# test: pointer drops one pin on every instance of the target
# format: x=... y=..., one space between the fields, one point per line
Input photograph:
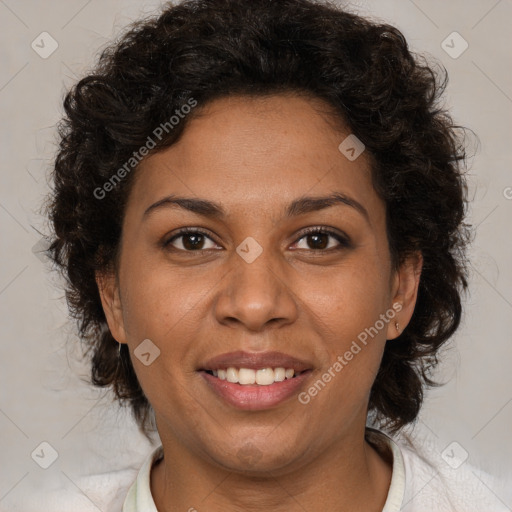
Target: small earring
x=119 y=349
x=397 y=326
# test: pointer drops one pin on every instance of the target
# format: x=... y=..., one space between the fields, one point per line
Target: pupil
x=194 y=241
x=195 y=244
x=316 y=237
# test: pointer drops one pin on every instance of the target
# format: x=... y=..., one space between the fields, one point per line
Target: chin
x=258 y=458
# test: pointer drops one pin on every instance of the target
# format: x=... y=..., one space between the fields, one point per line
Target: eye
x=192 y=239
x=317 y=239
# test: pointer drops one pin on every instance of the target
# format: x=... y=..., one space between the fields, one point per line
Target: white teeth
x=265 y=377
x=279 y=374
x=232 y=375
x=248 y=376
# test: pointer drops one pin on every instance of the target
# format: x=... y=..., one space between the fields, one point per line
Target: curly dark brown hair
x=207 y=49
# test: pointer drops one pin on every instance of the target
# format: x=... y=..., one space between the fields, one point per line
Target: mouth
x=250 y=376
x=255 y=381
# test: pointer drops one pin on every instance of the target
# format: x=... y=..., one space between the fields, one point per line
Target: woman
x=259 y=207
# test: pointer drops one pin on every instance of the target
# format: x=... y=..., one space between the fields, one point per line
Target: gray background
x=44 y=394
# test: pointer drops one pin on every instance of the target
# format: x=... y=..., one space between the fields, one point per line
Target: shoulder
x=63 y=491
x=445 y=480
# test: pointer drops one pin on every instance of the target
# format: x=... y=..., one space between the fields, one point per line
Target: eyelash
x=343 y=241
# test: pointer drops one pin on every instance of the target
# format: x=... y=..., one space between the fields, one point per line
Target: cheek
x=346 y=307
x=166 y=305
x=159 y=300
x=163 y=305
x=348 y=299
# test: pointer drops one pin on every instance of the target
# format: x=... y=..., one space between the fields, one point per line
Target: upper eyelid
x=304 y=232
x=341 y=238
x=188 y=231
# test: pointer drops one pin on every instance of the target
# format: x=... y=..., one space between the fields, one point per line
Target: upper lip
x=255 y=361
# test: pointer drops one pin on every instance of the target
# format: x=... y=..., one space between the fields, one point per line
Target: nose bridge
x=255 y=293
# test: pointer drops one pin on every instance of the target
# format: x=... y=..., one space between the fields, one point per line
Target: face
x=266 y=279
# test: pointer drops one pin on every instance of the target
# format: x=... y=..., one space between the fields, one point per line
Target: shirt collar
x=139 y=498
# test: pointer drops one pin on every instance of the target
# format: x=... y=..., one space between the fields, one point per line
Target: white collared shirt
x=417 y=483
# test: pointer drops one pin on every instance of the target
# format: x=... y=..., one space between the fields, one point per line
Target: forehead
x=252 y=153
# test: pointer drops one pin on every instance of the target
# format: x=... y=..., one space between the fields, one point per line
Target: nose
x=256 y=295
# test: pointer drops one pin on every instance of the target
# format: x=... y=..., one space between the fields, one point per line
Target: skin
x=254 y=156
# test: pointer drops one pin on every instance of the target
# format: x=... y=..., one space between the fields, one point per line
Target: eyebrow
x=300 y=206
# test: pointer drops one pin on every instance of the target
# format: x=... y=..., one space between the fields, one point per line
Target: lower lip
x=254 y=397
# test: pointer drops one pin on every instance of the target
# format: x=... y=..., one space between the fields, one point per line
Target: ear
x=406 y=281
x=108 y=287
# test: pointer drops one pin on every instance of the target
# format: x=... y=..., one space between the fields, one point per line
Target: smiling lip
x=255 y=361
x=255 y=397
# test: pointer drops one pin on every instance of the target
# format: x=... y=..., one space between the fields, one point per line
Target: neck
x=350 y=475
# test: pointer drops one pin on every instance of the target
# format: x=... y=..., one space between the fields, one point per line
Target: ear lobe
x=406 y=286
x=108 y=288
